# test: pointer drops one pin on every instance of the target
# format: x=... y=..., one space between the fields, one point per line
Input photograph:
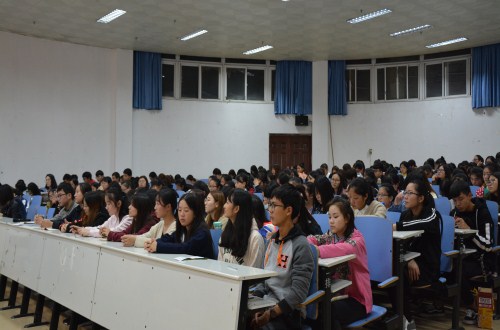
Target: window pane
x=457 y=78
x=413 y=82
x=273 y=83
x=189 y=83
x=351 y=85
x=402 y=83
x=390 y=83
x=210 y=82
x=380 y=84
x=433 y=80
x=235 y=84
x=255 y=85
x=167 y=80
x=363 y=85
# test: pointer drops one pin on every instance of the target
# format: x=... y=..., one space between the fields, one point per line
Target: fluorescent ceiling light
x=444 y=43
x=369 y=16
x=257 y=50
x=412 y=30
x=111 y=16
x=193 y=35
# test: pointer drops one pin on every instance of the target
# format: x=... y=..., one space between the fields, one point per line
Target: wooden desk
x=121 y=287
x=330 y=286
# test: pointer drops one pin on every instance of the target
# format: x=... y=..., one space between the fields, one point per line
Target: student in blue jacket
x=191 y=236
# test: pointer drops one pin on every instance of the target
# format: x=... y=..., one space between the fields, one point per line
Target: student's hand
x=150 y=245
x=38 y=219
x=74 y=229
x=261 y=318
x=394 y=227
x=104 y=231
x=399 y=198
x=128 y=240
x=82 y=231
x=64 y=226
x=461 y=224
x=46 y=223
x=413 y=271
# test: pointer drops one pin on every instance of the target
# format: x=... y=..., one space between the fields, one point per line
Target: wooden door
x=288 y=150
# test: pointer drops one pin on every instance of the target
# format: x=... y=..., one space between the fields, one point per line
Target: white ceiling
x=298 y=29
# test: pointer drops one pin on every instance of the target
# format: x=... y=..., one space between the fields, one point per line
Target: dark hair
x=142 y=202
x=99 y=173
x=181 y=183
x=67 y=188
x=390 y=190
x=478 y=172
x=283 y=178
x=324 y=188
x=269 y=189
x=361 y=187
x=479 y=158
x=201 y=186
x=115 y=175
x=145 y=178
x=116 y=195
x=87 y=175
x=359 y=165
x=217 y=182
x=236 y=235
x=227 y=178
x=95 y=203
x=259 y=212
x=152 y=175
x=412 y=163
x=496 y=195
x=20 y=187
x=107 y=179
x=195 y=203
x=219 y=198
x=168 y=196
x=216 y=171
x=422 y=190
x=347 y=212
x=6 y=194
x=67 y=177
x=289 y=196
x=53 y=183
x=243 y=178
x=33 y=189
x=127 y=171
x=84 y=188
x=458 y=187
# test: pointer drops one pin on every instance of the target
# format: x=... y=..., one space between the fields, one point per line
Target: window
x=200 y=82
x=189 y=82
x=210 y=82
x=167 y=71
x=245 y=84
x=446 y=78
x=397 y=82
x=358 y=85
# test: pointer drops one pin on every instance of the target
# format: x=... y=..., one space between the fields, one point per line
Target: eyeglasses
x=60 y=195
x=272 y=206
x=409 y=193
x=490 y=181
x=440 y=170
x=382 y=195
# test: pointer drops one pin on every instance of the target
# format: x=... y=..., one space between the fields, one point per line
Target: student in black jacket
x=11 y=206
x=472 y=213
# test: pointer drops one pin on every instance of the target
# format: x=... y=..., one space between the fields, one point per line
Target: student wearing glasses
x=492 y=184
x=487 y=172
x=420 y=214
x=387 y=196
x=65 y=195
x=288 y=253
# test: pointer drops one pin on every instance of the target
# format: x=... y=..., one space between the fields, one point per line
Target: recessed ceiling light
x=257 y=50
x=448 y=42
x=412 y=30
x=111 y=16
x=193 y=35
x=369 y=16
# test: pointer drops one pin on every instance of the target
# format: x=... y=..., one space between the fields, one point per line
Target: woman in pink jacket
x=342 y=239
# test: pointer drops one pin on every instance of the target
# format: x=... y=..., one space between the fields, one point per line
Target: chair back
x=216 y=233
x=443 y=205
x=378 y=239
x=42 y=209
x=33 y=207
x=473 y=190
x=50 y=212
x=393 y=217
x=493 y=208
x=447 y=241
x=312 y=309
x=260 y=195
x=436 y=189
x=322 y=220
x=204 y=180
x=180 y=193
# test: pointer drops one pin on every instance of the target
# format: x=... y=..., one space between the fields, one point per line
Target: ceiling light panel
x=369 y=16
x=410 y=31
x=111 y=16
x=193 y=35
x=257 y=50
x=448 y=42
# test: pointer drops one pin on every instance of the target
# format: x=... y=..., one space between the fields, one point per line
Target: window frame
x=445 y=75
x=397 y=65
x=267 y=81
x=364 y=68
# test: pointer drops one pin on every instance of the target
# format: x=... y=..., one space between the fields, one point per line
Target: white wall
x=68 y=108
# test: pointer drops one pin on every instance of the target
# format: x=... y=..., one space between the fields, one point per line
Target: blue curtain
x=293 y=94
x=337 y=99
x=147 y=81
x=486 y=76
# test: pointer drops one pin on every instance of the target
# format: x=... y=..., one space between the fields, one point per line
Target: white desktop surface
x=330 y=262
x=465 y=231
x=406 y=234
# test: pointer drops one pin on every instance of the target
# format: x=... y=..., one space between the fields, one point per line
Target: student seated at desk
x=472 y=213
x=65 y=196
x=214 y=207
x=240 y=242
x=191 y=235
x=140 y=210
x=343 y=239
x=166 y=203
x=361 y=198
x=420 y=214
x=10 y=206
x=94 y=212
x=117 y=207
x=288 y=253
